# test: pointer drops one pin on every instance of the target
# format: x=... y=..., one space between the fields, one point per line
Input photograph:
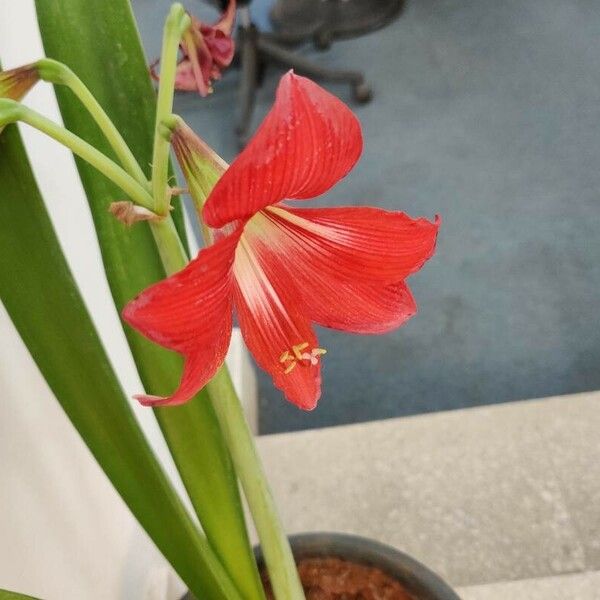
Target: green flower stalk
x=177 y=23
x=15 y=84
x=11 y=112
x=209 y=167
x=202 y=168
x=58 y=73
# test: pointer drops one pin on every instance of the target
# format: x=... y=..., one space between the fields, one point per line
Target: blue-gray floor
x=488 y=113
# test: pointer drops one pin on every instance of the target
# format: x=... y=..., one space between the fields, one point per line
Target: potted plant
x=278 y=267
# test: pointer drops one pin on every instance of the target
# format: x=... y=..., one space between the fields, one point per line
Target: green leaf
x=99 y=41
x=42 y=300
x=6 y=595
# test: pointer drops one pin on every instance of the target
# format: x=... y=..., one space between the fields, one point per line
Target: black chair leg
x=360 y=90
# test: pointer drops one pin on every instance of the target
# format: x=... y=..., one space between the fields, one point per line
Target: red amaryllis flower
x=282 y=268
x=206 y=51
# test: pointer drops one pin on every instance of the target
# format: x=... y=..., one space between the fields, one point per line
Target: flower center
x=300 y=355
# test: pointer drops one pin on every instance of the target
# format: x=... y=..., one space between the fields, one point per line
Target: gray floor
x=485 y=495
x=488 y=113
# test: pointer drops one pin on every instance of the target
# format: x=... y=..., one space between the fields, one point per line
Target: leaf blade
x=32 y=268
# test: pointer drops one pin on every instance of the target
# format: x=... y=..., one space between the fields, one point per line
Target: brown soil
x=336 y=579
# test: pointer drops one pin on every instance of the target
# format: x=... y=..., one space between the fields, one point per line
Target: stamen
x=307 y=358
x=290 y=367
x=298 y=349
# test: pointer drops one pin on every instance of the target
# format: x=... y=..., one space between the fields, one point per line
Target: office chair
x=256 y=49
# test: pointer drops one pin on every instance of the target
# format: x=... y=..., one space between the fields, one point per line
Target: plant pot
x=422 y=583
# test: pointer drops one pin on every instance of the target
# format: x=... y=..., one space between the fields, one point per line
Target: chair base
x=256 y=50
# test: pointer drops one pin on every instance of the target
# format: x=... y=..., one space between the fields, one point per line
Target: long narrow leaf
x=42 y=300
x=99 y=41
x=6 y=595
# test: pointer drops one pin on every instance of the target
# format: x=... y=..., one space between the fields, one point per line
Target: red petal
x=347 y=263
x=358 y=243
x=306 y=144
x=198 y=369
x=359 y=308
x=190 y=312
x=272 y=324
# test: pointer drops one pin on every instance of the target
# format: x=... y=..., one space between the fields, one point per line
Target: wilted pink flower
x=206 y=51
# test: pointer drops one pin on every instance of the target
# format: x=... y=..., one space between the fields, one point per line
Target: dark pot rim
x=415 y=576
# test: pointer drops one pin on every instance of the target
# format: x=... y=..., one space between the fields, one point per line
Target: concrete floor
x=501 y=501
x=485 y=112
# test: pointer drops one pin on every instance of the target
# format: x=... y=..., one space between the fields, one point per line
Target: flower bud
x=206 y=50
x=15 y=83
x=201 y=165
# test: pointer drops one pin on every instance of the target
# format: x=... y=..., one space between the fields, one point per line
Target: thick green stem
x=172 y=253
x=240 y=441
x=58 y=73
x=11 y=112
x=248 y=466
x=201 y=176
x=177 y=23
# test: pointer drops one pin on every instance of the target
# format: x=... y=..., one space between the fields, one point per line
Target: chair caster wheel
x=322 y=40
x=362 y=93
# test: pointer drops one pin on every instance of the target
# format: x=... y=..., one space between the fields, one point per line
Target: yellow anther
x=304 y=358
x=298 y=349
x=290 y=367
